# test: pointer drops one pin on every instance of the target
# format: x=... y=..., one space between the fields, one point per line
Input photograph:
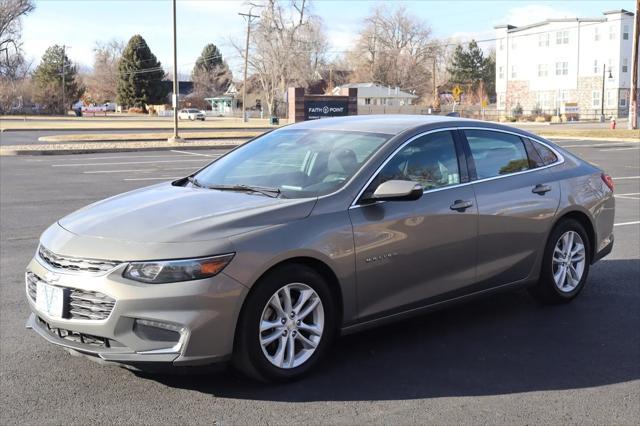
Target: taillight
x=608 y=180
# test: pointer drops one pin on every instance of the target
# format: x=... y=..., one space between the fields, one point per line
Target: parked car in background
x=110 y=106
x=319 y=228
x=191 y=114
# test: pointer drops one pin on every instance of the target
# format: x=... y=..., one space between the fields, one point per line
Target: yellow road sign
x=457 y=91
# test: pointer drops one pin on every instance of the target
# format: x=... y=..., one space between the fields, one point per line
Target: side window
x=547 y=156
x=496 y=153
x=430 y=160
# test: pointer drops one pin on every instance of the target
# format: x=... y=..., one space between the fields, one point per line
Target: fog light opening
x=160 y=331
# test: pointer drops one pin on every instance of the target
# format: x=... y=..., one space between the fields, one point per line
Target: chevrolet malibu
x=313 y=230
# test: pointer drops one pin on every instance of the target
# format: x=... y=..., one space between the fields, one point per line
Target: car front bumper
x=204 y=313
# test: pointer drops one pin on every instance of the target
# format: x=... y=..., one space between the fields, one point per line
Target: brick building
x=558 y=63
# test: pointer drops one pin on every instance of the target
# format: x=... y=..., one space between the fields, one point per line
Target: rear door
x=517 y=202
x=408 y=252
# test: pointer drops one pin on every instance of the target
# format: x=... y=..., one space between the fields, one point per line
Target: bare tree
x=11 y=58
x=394 y=49
x=102 y=82
x=287 y=47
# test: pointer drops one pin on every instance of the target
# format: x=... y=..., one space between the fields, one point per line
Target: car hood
x=166 y=213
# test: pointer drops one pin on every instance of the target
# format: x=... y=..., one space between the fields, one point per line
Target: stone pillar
x=295 y=100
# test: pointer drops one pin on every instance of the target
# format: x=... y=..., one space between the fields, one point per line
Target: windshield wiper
x=269 y=192
x=194 y=181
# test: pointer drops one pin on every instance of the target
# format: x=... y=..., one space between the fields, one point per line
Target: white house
x=374 y=94
x=560 y=62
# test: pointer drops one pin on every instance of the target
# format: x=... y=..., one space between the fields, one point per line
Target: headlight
x=169 y=271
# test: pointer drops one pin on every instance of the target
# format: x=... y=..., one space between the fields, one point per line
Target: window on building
x=501 y=44
x=611 y=98
x=623 y=98
x=514 y=72
x=596 y=34
x=543 y=40
x=542 y=99
x=562 y=68
x=595 y=98
x=596 y=68
x=562 y=37
x=501 y=73
x=543 y=71
x=501 y=101
x=625 y=32
x=612 y=32
x=496 y=154
x=367 y=101
x=625 y=64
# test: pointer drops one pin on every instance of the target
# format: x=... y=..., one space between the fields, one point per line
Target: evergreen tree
x=211 y=75
x=469 y=67
x=48 y=81
x=140 y=76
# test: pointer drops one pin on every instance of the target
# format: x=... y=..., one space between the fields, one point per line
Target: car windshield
x=298 y=163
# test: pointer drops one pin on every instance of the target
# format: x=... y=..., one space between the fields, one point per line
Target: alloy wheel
x=291 y=325
x=568 y=261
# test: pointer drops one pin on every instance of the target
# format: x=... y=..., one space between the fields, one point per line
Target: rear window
x=546 y=154
x=496 y=153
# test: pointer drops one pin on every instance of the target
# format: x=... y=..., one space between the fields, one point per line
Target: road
x=500 y=360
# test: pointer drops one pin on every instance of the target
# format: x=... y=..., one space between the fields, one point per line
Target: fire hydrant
x=613 y=123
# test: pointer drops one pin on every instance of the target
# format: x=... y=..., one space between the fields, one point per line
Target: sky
x=81 y=23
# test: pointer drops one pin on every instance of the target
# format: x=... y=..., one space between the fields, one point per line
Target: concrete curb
x=146 y=129
x=196 y=138
x=69 y=151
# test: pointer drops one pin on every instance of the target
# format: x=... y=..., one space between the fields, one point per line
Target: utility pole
x=249 y=17
x=64 y=53
x=633 y=93
x=174 y=96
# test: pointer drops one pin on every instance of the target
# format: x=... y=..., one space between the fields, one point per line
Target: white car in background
x=190 y=114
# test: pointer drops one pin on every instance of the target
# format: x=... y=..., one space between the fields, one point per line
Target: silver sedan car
x=313 y=230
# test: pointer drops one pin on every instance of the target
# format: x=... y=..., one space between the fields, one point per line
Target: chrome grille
x=75 y=264
x=90 y=305
x=81 y=304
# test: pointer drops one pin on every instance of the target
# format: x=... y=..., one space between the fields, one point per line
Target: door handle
x=541 y=189
x=460 y=205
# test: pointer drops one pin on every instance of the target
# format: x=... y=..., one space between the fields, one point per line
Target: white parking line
x=128 y=162
x=596 y=145
x=196 y=153
x=635 y=148
x=626 y=177
x=156 y=178
x=137 y=170
x=627 y=223
x=623 y=197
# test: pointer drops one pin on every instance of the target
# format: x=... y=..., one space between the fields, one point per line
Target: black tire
x=546 y=291
x=248 y=356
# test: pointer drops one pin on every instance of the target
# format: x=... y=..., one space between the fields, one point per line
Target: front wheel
x=565 y=264
x=286 y=325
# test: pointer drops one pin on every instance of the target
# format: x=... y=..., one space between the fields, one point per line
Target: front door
x=408 y=252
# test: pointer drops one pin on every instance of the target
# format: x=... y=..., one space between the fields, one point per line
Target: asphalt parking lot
x=503 y=360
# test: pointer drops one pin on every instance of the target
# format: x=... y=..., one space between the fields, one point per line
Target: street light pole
x=633 y=93
x=604 y=70
x=174 y=96
x=249 y=17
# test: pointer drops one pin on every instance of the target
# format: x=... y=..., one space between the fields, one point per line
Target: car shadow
x=503 y=344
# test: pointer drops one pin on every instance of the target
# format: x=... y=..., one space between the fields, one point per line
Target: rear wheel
x=565 y=264
x=286 y=325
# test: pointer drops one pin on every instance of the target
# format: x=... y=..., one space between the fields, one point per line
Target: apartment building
x=558 y=65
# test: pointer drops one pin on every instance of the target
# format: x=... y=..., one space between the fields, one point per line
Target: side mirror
x=397 y=190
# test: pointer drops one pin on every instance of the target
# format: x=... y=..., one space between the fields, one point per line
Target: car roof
x=389 y=124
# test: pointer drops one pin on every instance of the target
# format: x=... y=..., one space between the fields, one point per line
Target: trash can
x=274 y=121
